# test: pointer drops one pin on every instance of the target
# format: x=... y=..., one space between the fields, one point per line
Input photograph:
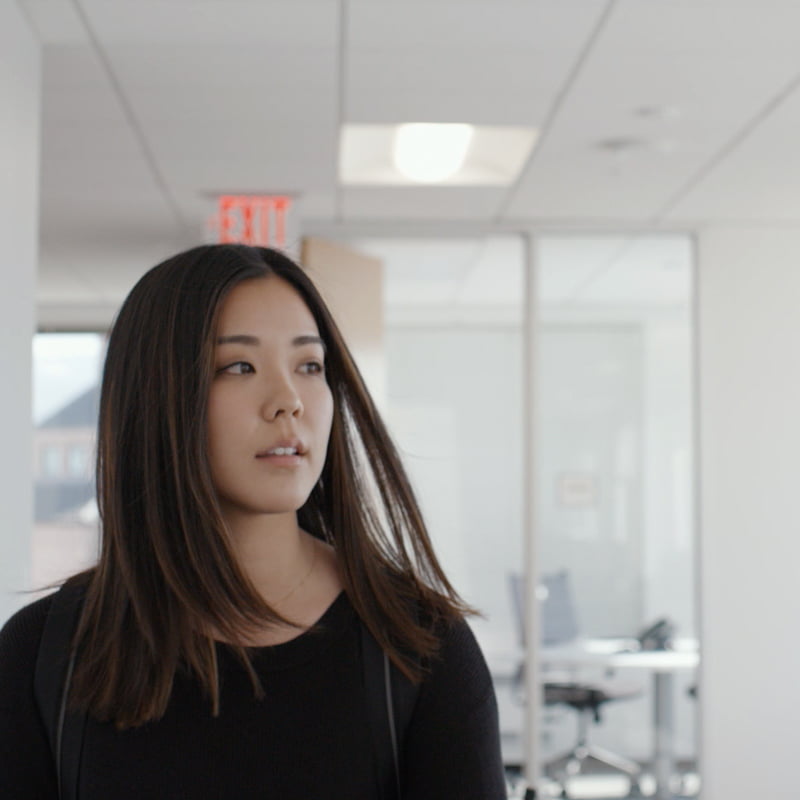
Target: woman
x=257 y=530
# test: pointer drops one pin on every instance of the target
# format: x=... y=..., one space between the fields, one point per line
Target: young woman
x=257 y=529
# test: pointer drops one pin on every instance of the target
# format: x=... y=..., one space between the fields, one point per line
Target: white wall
x=749 y=326
x=20 y=79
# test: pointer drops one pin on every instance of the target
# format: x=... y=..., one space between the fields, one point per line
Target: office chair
x=559 y=625
x=587 y=699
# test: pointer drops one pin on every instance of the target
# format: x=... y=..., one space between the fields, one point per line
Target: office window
x=66 y=369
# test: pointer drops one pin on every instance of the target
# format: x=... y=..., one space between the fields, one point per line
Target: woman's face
x=270 y=407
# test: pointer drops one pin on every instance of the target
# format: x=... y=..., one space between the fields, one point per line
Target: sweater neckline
x=309 y=644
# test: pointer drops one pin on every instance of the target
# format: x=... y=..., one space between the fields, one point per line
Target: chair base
x=581 y=756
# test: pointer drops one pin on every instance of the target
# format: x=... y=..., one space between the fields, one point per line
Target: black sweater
x=306 y=740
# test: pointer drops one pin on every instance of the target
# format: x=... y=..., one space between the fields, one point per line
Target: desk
x=662 y=664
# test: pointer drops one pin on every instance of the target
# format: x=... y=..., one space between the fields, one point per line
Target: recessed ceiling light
x=447 y=154
x=430 y=152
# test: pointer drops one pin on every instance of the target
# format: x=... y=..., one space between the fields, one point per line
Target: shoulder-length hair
x=167 y=580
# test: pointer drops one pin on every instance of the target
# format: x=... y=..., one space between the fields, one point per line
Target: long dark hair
x=167 y=576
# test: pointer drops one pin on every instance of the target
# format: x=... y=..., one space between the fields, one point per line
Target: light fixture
x=470 y=155
x=429 y=152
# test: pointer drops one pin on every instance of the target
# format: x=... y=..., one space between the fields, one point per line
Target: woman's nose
x=282 y=400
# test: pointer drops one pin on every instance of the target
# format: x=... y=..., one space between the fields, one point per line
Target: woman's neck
x=274 y=553
x=293 y=571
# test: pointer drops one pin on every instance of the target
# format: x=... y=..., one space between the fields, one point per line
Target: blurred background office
x=563 y=237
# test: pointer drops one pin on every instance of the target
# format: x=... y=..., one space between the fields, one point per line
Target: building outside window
x=51 y=461
x=65 y=393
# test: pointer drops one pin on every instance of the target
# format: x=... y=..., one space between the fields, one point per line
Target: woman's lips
x=283 y=454
x=276 y=459
x=286 y=447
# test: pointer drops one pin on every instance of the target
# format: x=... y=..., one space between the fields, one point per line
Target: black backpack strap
x=390 y=702
x=404 y=695
x=52 y=678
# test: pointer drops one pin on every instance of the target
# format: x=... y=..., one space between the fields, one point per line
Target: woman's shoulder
x=19 y=648
x=26 y=767
x=458 y=643
x=459 y=668
x=22 y=632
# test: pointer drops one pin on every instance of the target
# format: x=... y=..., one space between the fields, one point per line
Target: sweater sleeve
x=26 y=768
x=452 y=746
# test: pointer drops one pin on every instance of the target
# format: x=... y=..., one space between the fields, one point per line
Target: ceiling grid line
x=556 y=107
x=728 y=148
x=28 y=17
x=130 y=116
x=341 y=106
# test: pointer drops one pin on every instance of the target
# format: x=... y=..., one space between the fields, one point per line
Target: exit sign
x=253 y=219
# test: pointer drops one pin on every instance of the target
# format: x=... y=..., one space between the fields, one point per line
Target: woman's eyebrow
x=249 y=339
x=239 y=338
x=308 y=339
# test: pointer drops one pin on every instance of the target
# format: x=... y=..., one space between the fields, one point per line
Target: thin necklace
x=303 y=580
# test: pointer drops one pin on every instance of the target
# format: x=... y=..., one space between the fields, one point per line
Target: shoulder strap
x=54 y=665
x=390 y=703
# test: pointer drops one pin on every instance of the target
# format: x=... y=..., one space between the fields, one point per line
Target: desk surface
x=598 y=653
x=621 y=653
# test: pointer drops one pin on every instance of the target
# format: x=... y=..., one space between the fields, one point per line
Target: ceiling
x=652 y=114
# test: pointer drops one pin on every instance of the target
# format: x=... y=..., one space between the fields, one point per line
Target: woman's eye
x=237 y=368
x=312 y=368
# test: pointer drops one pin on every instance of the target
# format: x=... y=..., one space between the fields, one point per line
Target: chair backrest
x=558 y=619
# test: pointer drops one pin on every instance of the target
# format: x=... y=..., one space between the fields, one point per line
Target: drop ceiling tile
x=499 y=25
x=55 y=21
x=271 y=169
x=74 y=65
x=226 y=68
x=304 y=22
x=194 y=108
x=679 y=28
x=606 y=156
x=454 y=62
x=475 y=86
x=748 y=184
x=425 y=203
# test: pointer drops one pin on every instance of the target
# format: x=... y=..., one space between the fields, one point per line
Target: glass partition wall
x=454 y=313
x=613 y=508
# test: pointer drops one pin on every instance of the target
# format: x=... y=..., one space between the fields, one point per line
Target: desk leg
x=664 y=726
